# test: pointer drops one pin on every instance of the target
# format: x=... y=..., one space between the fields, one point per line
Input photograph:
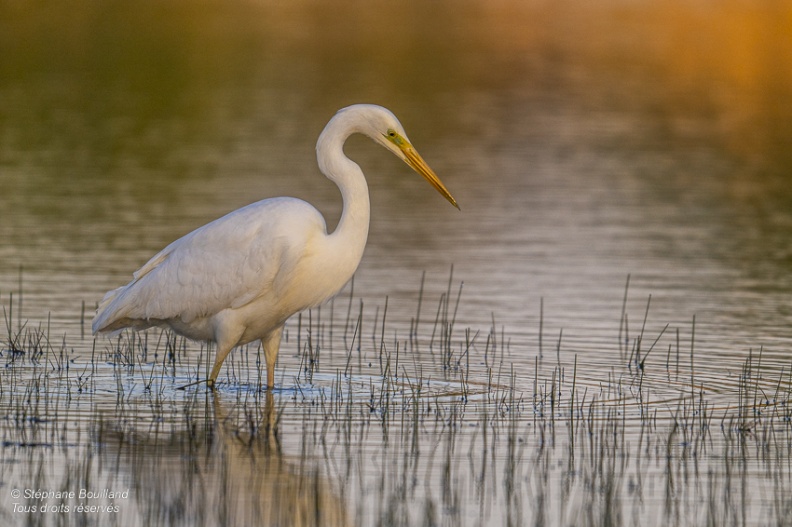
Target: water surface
x=584 y=144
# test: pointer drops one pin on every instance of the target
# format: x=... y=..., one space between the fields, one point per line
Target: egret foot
x=209 y=382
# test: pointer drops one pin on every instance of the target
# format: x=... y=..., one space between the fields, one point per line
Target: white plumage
x=240 y=277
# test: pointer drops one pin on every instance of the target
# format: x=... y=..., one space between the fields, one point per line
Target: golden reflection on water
x=164 y=92
x=188 y=60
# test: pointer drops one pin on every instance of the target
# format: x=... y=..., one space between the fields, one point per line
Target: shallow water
x=588 y=147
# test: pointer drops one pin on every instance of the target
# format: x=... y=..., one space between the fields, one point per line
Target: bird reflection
x=223 y=468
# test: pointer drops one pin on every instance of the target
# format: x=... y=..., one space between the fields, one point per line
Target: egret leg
x=271 y=345
x=222 y=353
x=227 y=335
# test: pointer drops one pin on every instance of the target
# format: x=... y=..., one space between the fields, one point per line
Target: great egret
x=240 y=277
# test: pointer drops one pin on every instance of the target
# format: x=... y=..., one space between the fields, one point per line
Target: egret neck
x=352 y=230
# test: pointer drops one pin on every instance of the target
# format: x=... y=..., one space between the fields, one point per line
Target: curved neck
x=352 y=229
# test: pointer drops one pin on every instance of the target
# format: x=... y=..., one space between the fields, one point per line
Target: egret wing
x=224 y=264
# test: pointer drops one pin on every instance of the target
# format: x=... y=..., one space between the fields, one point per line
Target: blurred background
x=584 y=142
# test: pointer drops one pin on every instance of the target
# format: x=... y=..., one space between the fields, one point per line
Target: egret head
x=384 y=128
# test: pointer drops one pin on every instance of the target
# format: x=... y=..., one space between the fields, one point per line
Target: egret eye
x=394 y=137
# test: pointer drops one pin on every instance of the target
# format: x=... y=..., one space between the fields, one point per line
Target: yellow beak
x=412 y=158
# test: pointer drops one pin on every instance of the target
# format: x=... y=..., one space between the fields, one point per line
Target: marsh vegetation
x=375 y=424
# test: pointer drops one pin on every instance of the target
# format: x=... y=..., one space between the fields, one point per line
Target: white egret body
x=240 y=277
